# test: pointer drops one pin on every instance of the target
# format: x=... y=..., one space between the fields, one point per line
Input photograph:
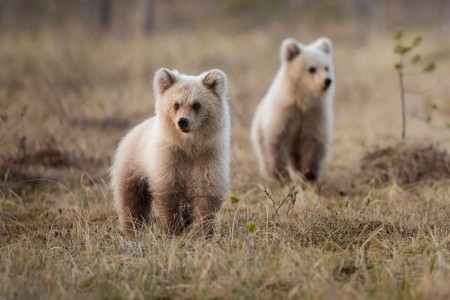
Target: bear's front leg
x=170 y=210
x=205 y=211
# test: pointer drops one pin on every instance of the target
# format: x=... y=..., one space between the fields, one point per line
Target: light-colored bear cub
x=176 y=164
x=292 y=126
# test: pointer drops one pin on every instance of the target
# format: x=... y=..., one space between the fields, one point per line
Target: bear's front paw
x=310 y=175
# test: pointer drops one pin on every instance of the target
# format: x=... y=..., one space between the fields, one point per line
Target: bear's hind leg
x=258 y=146
x=277 y=161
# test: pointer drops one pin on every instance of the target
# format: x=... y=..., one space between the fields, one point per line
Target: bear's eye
x=312 y=70
x=196 y=106
x=326 y=69
x=176 y=106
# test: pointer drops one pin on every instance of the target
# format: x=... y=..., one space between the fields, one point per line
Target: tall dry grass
x=69 y=96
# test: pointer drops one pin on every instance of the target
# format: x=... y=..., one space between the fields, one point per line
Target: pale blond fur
x=292 y=126
x=177 y=172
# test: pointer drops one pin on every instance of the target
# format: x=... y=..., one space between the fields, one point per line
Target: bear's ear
x=289 y=49
x=164 y=79
x=216 y=81
x=324 y=44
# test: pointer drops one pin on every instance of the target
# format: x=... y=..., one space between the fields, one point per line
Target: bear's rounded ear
x=164 y=79
x=324 y=44
x=216 y=81
x=289 y=49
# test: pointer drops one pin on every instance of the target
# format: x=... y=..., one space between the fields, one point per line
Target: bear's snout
x=328 y=82
x=183 y=123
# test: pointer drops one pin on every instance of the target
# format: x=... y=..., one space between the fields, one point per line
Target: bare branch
x=266 y=191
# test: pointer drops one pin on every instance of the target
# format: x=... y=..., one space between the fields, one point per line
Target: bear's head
x=308 y=67
x=191 y=107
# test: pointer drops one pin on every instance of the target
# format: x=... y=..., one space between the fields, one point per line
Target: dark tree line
x=146 y=14
x=93 y=13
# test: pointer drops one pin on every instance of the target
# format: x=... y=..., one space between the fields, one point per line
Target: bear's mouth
x=185 y=130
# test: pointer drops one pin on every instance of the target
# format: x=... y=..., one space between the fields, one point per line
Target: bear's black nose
x=183 y=123
x=328 y=82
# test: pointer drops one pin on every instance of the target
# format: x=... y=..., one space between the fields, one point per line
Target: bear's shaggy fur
x=292 y=126
x=176 y=164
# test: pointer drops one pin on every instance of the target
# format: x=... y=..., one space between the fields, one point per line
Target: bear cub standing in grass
x=176 y=164
x=292 y=126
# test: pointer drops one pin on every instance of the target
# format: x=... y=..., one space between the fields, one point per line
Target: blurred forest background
x=156 y=15
x=75 y=69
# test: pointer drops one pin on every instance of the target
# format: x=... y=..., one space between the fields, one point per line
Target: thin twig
x=402 y=98
x=319 y=195
x=271 y=199
x=292 y=195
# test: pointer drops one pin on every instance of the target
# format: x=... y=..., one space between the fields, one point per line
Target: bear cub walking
x=292 y=126
x=175 y=165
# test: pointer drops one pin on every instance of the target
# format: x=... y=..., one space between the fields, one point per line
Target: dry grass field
x=376 y=226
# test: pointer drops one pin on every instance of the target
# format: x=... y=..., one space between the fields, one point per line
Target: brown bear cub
x=292 y=126
x=175 y=165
